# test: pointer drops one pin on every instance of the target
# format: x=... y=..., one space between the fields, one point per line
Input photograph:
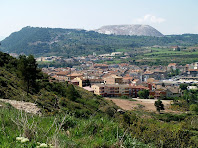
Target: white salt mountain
x=139 y=30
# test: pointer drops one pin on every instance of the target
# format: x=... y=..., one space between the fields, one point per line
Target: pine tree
x=27 y=70
x=72 y=94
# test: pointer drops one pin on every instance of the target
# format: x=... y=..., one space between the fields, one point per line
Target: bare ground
x=147 y=103
x=21 y=105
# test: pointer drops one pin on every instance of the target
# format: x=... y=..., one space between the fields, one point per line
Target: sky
x=167 y=16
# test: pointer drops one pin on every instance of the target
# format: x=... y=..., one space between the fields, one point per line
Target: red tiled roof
x=75 y=74
x=193 y=70
x=100 y=65
x=63 y=73
x=172 y=64
x=127 y=78
x=148 y=72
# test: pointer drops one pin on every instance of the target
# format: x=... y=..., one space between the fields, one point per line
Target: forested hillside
x=73 y=42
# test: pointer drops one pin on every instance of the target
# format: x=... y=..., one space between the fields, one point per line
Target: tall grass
x=63 y=130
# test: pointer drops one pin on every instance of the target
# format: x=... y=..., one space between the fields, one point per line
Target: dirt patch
x=26 y=106
x=144 y=104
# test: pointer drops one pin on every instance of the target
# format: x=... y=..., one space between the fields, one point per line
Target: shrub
x=194 y=108
x=159 y=105
x=151 y=97
x=143 y=94
x=129 y=118
x=110 y=111
x=124 y=97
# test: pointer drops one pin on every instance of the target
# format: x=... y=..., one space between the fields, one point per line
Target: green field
x=166 y=56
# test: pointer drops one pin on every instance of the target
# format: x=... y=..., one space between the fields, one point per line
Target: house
x=158 y=93
x=175 y=48
x=101 y=66
x=75 y=82
x=136 y=82
x=62 y=74
x=59 y=79
x=159 y=74
x=136 y=89
x=89 y=89
x=192 y=88
x=173 y=91
x=172 y=66
x=127 y=80
x=96 y=81
x=82 y=81
x=192 y=72
x=186 y=67
x=74 y=75
x=113 y=79
x=146 y=75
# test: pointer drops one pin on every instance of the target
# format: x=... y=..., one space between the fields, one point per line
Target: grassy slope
x=96 y=131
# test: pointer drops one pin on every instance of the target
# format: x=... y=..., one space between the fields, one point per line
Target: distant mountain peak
x=138 y=29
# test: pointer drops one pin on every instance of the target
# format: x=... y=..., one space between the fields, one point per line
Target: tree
x=159 y=105
x=183 y=86
x=27 y=70
x=163 y=84
x=143 y=94
x=72 y=94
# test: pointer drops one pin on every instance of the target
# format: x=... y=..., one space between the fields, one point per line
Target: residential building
x=115 y=90
x=101 y=66
x=113 y=79
x=172 y=66
x=74 y=75
x=82 y=81
x=192 y=72
x=192 y=88
x=175 y=48
x=158 y=93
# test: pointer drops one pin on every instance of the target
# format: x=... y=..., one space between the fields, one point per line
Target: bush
x=110 y=111
x=159 y=105
x=129 y=118
x=124 y=97
x=151 y=97
x=143 y=94
x=194 y=108
x=171 y=117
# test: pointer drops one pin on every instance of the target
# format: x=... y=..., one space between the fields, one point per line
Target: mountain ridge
x=74 y=42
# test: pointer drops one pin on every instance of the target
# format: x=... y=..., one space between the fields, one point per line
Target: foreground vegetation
x=61 y=130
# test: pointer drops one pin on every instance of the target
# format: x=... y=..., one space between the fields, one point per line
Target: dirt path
x=26 y=106
x=147 y=103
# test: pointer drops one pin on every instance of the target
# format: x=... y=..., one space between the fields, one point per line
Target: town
x=124 y=79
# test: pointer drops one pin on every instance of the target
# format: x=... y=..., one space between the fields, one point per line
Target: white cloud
x=149 y=19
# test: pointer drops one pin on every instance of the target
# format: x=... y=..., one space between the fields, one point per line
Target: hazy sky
x=168 y=16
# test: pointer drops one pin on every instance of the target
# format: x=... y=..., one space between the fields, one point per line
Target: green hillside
x=46 y=94
x=73 y=42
